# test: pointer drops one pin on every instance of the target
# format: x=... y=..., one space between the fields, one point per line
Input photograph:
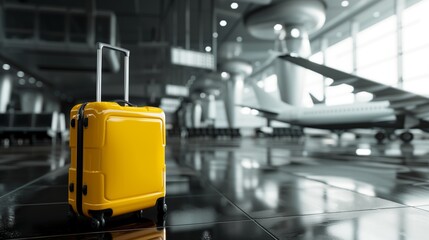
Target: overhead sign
x=191 y=58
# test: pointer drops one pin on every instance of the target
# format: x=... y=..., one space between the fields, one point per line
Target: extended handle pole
x=100 y=47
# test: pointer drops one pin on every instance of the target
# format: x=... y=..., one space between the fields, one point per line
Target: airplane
x=391 y=108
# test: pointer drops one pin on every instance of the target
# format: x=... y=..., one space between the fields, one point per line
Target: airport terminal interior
x=281 y=119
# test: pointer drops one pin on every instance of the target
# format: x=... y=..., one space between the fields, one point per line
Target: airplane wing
x=401 y=101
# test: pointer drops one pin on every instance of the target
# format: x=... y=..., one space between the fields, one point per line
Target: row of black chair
x=28 y=127
x=293 y=132
x=205 y=132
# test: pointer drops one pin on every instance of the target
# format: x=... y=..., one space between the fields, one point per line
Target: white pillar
x=31 y=102
x=5 y=92
x=290 y=77
x=196 y=114
x=233 y=96
x=211 y=109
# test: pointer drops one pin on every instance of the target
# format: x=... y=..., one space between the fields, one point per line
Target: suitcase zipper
x=79 y=158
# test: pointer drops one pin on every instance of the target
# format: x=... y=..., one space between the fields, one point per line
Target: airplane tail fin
x=268 y=102
x=315 y=100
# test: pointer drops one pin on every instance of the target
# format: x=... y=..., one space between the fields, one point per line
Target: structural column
x=197 y=111
x=238 y=71
x=288 y=23
x=5 y=92
x=290 y=78
x=31 y=101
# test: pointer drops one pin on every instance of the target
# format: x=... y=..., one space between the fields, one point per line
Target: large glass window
x=374 y=33
x=340 y=55
x=314 y=81
x=416 y=47
x=376 y=44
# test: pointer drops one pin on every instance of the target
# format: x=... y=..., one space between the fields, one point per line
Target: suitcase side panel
x=133 y=157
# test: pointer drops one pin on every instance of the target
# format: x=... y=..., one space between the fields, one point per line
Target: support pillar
x=290 y=77
x=5 y=92
x=31 y=101
x=238 y=71
x=196 y=114
x=288 y=23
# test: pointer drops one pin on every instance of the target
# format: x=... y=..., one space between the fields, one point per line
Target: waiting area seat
x=32 y=126
x=293 y=132
x=206 y=132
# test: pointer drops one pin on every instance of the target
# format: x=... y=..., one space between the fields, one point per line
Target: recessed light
x=215 y=35
x=223 y=23
x=202 y=95
x=345 y=3
x=239 y=39
x=376 y=14
x=208 y=49
x=234 y=5
x=20 y=74
x=224 y=75
x=6 y=66
x=295 y=32
x=21 y=81
x=39 y=84
x=278 y=27
x=31 y=80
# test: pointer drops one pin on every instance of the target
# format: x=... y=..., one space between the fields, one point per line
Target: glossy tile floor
x=239 y=189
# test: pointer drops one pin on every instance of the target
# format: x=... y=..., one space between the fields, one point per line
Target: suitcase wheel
x=98 y=221
x=72 y=216
x=161 y=206
x=139 y=214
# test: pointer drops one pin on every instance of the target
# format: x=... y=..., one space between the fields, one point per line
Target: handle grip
x=126 y=52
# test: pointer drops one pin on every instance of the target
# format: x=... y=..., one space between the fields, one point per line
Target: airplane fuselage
x=350 y=114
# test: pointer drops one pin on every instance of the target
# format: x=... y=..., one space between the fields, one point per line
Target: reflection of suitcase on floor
x=117 y=155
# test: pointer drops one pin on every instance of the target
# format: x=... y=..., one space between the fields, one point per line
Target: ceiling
x=54 y=41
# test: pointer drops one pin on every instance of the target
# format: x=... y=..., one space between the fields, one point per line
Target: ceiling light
x=21 y=81
x=208 y=49
x=224 y=75
x=31 y=80
x=345 y=3
x=202 y=95
x=376 y=14
x=234 y=5
x=215 y=35
x=20 y=74
x=295 y=32
x=6 y=66
x=39 y=84
x=239 y=39
x=278 y=27
x=222 y=23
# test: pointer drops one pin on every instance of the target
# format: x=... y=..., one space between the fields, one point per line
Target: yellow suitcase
x=117 y=156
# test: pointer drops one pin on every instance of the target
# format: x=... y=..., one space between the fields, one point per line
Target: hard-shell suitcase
x=117 y=155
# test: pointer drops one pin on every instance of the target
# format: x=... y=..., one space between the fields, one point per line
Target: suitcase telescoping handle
x=126 y=52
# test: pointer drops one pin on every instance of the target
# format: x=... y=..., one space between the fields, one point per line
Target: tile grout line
x=33 y=181
x=337 y=212
x=245 y=213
